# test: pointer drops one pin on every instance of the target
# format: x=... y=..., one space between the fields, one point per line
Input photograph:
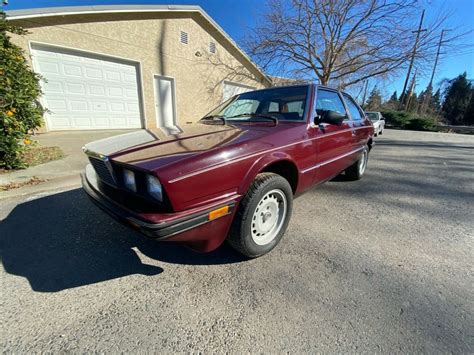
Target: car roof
x=300 y=85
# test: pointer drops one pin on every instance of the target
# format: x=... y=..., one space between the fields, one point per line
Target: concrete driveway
x=379 y=265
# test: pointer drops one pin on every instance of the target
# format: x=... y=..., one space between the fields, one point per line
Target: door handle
x=353 y=132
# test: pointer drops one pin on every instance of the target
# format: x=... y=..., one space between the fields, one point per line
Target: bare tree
x=340 y=41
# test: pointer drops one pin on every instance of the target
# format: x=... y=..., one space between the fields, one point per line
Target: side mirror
x=331 y=117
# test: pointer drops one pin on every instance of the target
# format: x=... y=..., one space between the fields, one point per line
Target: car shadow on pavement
x=63 y=241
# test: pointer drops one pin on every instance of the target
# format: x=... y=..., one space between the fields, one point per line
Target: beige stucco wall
x=153 y=41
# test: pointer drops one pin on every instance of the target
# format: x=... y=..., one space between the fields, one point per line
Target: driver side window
x=329 y=101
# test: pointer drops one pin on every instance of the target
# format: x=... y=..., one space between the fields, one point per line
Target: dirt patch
x=38 y=155
x=15 y=185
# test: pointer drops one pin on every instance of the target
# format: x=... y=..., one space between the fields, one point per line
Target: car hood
x=151 y=149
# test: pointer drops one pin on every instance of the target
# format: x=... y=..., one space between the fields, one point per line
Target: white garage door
x=231 y=89
x=86 y=92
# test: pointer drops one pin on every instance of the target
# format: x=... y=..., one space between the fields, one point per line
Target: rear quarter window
x=355 y=111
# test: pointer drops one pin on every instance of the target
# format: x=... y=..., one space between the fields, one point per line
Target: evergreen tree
x=421 y=99
x=435 y=103
x=468 y=118
x=375 y=100
x=392 y=103
x=394 y=97
x=425 y=100
x=456 y=100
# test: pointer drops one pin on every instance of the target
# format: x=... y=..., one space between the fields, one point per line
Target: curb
x=61 y=183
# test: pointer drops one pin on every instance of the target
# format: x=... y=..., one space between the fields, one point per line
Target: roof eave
x=14 y=15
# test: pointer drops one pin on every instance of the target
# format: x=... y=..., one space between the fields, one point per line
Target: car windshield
x=372 y=116
x=282 y=104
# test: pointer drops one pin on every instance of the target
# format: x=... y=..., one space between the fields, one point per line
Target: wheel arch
x=278 y=163
x=370 y=143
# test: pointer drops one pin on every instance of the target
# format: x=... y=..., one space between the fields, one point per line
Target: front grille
x=100 y=167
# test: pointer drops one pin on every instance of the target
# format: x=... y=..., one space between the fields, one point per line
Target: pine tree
x=375 y=100
x=394 y=97
x=468 y=118
x=456 y=100
x=392 y=103
x=435 y=103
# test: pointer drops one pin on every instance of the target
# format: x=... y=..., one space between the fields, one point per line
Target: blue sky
x=236 y=17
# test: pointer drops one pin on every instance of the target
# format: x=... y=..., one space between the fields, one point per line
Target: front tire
x=263 y=216
x=357 y=170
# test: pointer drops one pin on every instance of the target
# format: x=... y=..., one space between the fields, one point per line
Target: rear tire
x=357 y=170
x=263 y=216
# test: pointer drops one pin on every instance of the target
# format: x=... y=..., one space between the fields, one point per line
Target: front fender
x=259 y=165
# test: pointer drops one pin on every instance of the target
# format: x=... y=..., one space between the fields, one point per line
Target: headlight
x=129 y=180
x=154 y=187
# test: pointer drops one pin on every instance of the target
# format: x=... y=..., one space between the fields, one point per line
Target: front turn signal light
x=218 y=213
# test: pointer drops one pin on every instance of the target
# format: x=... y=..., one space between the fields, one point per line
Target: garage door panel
x=84 y=92
x=54 y=87
x=56 y=105
x=81 y=122
x=112 y=75
x=72 y=70
x=230 y=89
x=47 y=67
x=115 y=91
x=60 y=122
x=75 y=88
x=97 y=90
x=78 y=106
x=93 y=73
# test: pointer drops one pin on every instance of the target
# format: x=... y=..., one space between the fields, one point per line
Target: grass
x=37 y=155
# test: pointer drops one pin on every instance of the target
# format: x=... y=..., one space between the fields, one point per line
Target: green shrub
x=20 y=111
x=397 y=119
x=421 y=124
x=408 y=120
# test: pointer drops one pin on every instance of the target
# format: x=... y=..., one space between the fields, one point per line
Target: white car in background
x=378 y=121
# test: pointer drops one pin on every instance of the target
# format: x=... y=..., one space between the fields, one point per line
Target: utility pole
x=427 y=97
x=365 y=93
x=411 y=90
x=413 y=54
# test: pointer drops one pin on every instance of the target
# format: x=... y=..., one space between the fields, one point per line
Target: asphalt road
x=380 y=265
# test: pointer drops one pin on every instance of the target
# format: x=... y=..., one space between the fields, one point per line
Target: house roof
x=111 y=9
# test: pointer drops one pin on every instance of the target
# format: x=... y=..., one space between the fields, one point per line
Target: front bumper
x=169 y=227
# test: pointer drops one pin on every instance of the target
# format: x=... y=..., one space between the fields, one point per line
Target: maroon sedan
x=235 y=173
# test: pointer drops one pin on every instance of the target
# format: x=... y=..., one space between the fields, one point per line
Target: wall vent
x=184 y=37
x=212 y=47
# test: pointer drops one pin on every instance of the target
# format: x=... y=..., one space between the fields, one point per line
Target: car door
x=333 y=142
x=359 y=130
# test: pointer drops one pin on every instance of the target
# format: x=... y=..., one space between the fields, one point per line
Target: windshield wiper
x=213 y=118
x=258 y=115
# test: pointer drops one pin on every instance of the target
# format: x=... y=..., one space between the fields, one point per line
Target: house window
x=212 y=47
x=184 y=37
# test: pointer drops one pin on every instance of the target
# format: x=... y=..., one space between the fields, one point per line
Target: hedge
x=407 y=120
x=20 y=111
